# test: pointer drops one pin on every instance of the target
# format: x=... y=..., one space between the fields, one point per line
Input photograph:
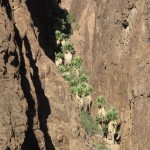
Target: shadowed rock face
x=113 y=40
x=35 y=103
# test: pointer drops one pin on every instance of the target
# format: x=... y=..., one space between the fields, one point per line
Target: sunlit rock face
x=113 y=40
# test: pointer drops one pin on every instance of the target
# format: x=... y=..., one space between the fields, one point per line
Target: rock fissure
x=6 y=4
x=43 y=107
x=30 y=138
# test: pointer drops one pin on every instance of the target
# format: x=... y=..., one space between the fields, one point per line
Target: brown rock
x=114 y=45
x=35 y=103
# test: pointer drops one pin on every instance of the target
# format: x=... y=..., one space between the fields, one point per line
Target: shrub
x=63 y=24
x=99 y=119
x=83 y=89
x=73 y=82
x=88 y=90
x=60 y=24
x=101 y=101
x=68 y=47
x=61 y=68
x=74 y=90
x=59 y=55
x=88 y=123
x=76 y=62
x=83 y=78
x=64 y=72
x=70 y=18
x=59 y=35
x=67 y=76
x=111 y=115
x=102 y=147
x=75 y=26
x=80 y=89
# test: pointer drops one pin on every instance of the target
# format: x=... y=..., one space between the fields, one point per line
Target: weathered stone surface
x=113 y=40
x=35 y=104
x=13 y=120
x=36 y=107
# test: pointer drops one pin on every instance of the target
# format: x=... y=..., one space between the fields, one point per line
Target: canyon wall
x=37 y=110
x=35 y=101
x=36 y=107
x=114 y=42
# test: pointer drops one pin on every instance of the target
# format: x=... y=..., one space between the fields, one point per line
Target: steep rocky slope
x=113 y=40
x=36 y=103
x=37 y=111
x=36 y=107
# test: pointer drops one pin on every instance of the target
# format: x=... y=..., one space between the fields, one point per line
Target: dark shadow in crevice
x=125 y=24
x=15 y=61
x=47 y=16
x=8 y=148
x=117 y=135
x=5 y=3
x=43 y=103
x=30 y=141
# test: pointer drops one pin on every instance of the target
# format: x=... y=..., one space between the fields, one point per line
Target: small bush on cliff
x=62 y=69
x=68 y=47
x=88 y=90
x=83 y=78
x=81 y=89
x=59 y=35
x=101 y=101
x=111 y=115
x=70 y=19
x=88 y=123
x=102 y=147
x=59 y=55
x=76 y=63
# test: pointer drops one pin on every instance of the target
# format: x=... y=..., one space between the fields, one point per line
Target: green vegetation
x=79 y=83
x=63 y=24
x=75 y=27
x=61 y=69
x=59 y=55
x=83 y=78
x=70 y=19
x=101 y=101
x=88 y=123
x=84 y=89
x=79 y=88
x=68 y=47
x=106 y=116
x=102 y=147
x=111 y=115
x=76 y=63
x=76 y=77
x=59 y=35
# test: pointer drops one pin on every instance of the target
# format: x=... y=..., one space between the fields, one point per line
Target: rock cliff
x=36 y=103
x=37 y=111
x=113 y=40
